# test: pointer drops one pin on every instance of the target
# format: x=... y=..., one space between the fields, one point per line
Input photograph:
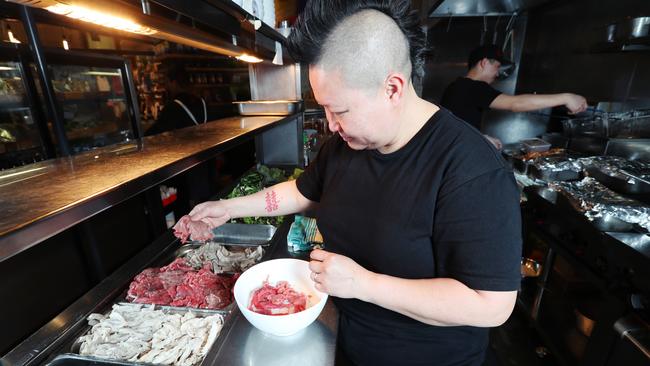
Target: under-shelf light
x=91 y=16
x=249 y=58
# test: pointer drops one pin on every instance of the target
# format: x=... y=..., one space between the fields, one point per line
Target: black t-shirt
x=467 y=99
x=445 y=205
x=173 y=116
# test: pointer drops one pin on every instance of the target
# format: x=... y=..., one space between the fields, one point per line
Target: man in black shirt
x=419 y=260
x=183 y=109
x=469 y=96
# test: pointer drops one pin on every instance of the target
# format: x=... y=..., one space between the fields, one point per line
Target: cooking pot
x=610 y=31
x=634 y=28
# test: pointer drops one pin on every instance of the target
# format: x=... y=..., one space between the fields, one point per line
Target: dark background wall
x=559 y=52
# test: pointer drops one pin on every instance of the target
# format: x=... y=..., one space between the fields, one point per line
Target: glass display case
x=21 y=140
x=93 y=92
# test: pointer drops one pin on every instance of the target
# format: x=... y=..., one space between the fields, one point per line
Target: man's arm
x=530 y=102
x=280 y=199
x=437 y=301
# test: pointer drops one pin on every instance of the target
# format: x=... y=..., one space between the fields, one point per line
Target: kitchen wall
x=560 y=52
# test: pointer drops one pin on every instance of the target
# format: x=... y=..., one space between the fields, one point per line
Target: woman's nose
x=333 y=125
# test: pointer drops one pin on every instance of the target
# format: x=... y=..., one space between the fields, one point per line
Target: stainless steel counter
x=315 y=345
x=242 y=343
x=46 y=198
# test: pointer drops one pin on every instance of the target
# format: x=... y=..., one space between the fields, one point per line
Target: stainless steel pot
x=611 y=32
x=634 y=28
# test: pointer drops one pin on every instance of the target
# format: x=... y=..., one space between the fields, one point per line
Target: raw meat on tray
x=179 y=284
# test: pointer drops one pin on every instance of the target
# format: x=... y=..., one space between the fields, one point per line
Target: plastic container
x=535 y=145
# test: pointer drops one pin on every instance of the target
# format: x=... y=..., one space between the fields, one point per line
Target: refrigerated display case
x=21 y=133
x=96 y=99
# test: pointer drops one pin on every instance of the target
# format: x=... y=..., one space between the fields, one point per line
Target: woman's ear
x=395 y=86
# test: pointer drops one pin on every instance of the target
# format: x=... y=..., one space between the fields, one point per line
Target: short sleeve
x=310 y=183
x=485 y=94
x=477 y=232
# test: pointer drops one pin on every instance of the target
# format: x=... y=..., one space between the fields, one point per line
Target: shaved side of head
x=365 y=48
x=365 y=40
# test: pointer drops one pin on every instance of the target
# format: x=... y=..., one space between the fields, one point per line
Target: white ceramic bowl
x=297 y=273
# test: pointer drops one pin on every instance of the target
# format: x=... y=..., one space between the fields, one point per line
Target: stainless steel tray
x=244 y=234
x=76 y=359
x=122 y=299
x=185 y=249
x=626 y=185
x=268 y=107
x=70 y=359
x=546 y=193
x=553 y=176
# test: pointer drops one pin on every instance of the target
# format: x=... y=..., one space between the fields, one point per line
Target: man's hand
x=575 y=103
x=494 y=141
x=337 y=275
x=213 y=213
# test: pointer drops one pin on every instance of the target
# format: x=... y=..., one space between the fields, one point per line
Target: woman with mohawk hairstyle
x=419 y=213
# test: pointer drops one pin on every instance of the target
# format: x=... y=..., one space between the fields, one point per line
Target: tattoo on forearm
x=271 y=201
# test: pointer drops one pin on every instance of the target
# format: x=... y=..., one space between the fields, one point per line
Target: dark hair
x=320 y=17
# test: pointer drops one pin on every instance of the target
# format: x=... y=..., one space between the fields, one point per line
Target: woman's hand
x=213 y=213
x=338 y=275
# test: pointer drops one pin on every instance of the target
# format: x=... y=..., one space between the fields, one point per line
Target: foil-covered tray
x=619 y=174
x=521 y=161
x=77 y=359
x=606 y=209
x=555 y=168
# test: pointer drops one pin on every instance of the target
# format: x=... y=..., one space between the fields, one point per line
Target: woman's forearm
x=439 y=301
x=280 y=199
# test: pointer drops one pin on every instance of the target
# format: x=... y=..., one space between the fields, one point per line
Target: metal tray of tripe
x=228 y=321
x=186 y=249
x=244 y=234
